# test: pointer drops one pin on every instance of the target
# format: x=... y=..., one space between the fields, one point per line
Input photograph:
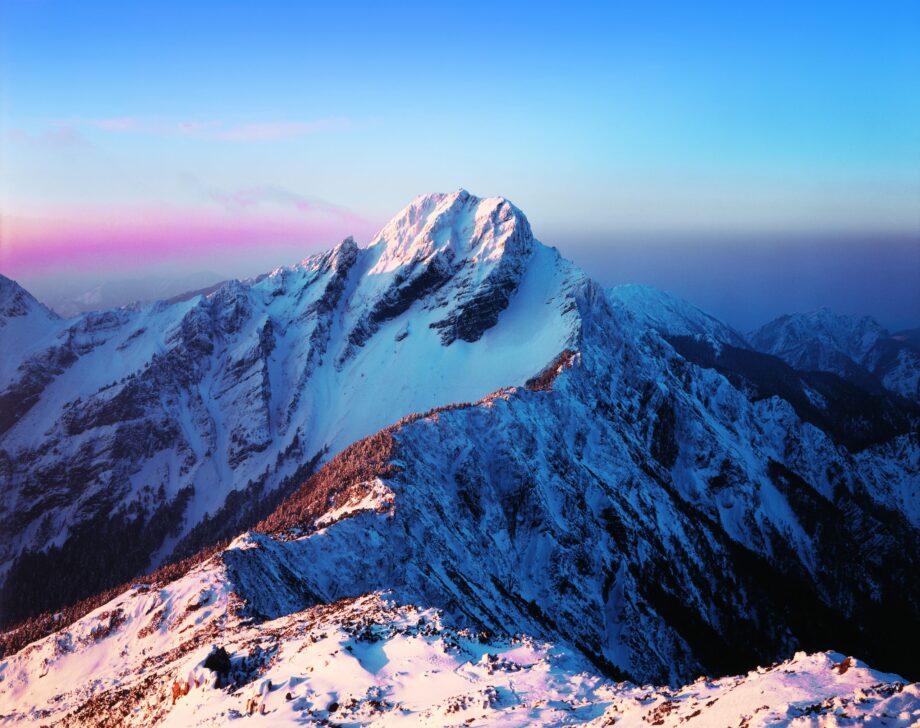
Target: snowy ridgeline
x=141 y=660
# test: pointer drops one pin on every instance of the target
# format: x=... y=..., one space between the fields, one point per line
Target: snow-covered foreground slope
x=133 y=434
x=637 y=507
x=370 y=660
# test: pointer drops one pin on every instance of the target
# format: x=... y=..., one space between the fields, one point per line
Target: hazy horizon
x=744 y=281
x=753 y=159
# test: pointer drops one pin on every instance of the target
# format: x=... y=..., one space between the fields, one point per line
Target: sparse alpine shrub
x=218 y=661
x=544 y=380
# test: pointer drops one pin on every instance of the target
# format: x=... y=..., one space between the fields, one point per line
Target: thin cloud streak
x=255 y=131
x=123 y=123
x=263 y=131
x=253 y=197
x=57 y=137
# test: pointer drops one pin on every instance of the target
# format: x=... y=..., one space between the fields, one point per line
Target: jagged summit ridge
x=468 y=226
x=480 y=247
x=16 y=301
x=791 y=336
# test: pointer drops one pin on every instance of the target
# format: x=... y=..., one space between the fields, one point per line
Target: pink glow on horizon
x=127 y=240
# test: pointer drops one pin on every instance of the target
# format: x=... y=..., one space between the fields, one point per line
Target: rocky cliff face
x=635 y=514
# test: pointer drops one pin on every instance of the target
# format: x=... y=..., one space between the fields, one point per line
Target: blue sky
x=278 y=127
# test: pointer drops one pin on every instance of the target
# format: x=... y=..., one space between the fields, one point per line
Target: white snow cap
x=469 y=226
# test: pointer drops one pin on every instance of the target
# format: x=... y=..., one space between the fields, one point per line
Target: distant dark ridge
x=188 y=295
x=851 y=415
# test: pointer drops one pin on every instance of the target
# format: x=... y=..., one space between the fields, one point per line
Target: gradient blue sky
x=645 y=140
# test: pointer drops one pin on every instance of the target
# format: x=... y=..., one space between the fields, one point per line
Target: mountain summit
x=457 y=224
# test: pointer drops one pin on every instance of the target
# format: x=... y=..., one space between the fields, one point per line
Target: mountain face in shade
x=17 y=303
x=607 y=505
x=857 y=348
x=437 y=444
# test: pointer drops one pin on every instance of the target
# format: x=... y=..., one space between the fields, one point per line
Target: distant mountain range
x=858 y=349
x=453 y=419
x=72 y=298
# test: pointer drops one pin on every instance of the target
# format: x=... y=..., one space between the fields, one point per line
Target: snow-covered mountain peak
x=16 y=301
x=244 y=387
x=857 y=348
x=861 y=331
x=457 y=224
x=342 y=255
x=853 y=336
x=642 y=509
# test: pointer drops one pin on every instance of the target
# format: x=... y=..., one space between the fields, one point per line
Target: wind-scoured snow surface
x=374 y=661
x=598 y=502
